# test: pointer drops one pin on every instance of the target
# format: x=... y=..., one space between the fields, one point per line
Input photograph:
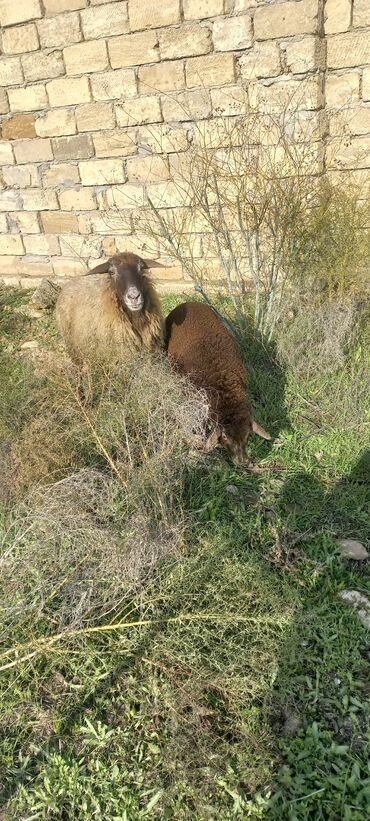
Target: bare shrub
x=318 y=338
x=333 y=248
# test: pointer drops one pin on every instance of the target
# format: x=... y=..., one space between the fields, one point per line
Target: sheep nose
x=133 y=294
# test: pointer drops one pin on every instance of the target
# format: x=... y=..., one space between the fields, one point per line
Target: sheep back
x=96 y=328
x=201 y=347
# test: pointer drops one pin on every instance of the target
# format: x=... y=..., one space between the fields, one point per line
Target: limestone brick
x=244 y=5
x=291 y=94
x=101 y=172
x=21 y=176
x=60 y=174
x=3 y=224
x=232 y=33
x=116 y=143
x=77 y=147
x=77 y=199
x=22 y=125
x=105 y=22
x=133 y=49
x=56 y=123
x=352 y=154
x=10 y=71
x=286 y=19
x=354 y=120
x=19 y=39
x=104 y=222
x=12 y=12
x=305 y=55
x=140 y=110
x=200 y=9
x=57 y=222
x=125 y=196
x=147 y=169
x=41 y=244
x=63 y=267
x=11 y=244
x=261 y=61
x=24 y=222
x=337 y=15
x=211 y=70
x=34 y=199
x=85 y=57
x=37 y=150
x=230 y=101
x=188 y=105
x=6 y=153
x=184 y=41
x=365 y=85
x=94 y=116
x=33 y=267
x=42 y=66
x=162 y=77
x=53 y=7
x=113 y=85
x=32 y=98
x=80 y=246
x=10 y=266
x=215 y=133
x=341 y=89
x=348 y=50
x=361 y=13
x=168 y=194
x=68 y=91
x=144 y=15
x=59 y=31
x=163 y=138
x=4 y=105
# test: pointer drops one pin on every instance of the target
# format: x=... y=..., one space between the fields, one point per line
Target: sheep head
x=128 y=278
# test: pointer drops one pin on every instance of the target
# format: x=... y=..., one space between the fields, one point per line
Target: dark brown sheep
x=200 y=347
x=112 y=309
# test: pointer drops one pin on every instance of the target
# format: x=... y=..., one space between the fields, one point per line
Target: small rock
x=318 y=455
x=359 y=603
x=45 y=295
x=33 y=313
x=292 y=725
x=30 y=346
x=232 y=489
x=351 y=549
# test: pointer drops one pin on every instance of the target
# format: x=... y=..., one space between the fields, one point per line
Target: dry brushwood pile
x=82 y=539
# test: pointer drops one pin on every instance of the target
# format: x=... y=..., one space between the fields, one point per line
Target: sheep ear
x=100 y=269
x=153 y=263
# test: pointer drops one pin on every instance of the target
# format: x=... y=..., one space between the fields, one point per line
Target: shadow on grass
x=214 y=699
x=319 y=703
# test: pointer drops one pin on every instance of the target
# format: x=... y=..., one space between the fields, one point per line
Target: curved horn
x=103 y=268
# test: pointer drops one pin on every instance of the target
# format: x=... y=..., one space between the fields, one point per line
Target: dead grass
x=98 y=491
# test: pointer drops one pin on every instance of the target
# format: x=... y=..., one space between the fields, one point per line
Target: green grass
x=188 y=720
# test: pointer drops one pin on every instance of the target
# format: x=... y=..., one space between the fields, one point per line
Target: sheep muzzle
x=133 y=299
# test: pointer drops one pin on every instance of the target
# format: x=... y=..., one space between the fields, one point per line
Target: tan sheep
x=111 y=310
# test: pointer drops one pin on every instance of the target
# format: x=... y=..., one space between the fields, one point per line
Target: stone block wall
x=99 y=101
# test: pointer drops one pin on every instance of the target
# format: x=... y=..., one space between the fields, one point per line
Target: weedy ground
x=243 y=690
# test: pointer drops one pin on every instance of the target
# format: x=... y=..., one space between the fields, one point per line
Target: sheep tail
x=256 y=428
